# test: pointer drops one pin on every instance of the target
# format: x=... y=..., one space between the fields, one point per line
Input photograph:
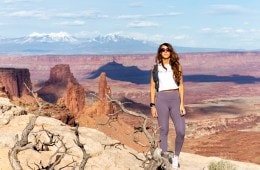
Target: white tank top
x=166 y=80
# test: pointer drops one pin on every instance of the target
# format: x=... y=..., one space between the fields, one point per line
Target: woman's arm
x=181 y=92
x=152 y=95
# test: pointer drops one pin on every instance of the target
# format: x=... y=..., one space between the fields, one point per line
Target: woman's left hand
x=182 y=110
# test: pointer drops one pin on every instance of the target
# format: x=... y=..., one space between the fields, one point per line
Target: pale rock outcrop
x=103 y=157
x=8 y=111
x=94 y=142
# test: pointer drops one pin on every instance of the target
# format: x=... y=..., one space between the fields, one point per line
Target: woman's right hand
x=154 y=112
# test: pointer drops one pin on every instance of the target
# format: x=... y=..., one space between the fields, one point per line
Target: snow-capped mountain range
x=64 y=43
x=52 y=37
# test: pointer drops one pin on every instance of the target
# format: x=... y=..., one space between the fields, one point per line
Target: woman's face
x=165 y=52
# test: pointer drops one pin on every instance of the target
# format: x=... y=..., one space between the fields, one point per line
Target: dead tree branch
x=150 y=137
x=155 y=157
x=35 y=97
x=81 y=146
x=21 y=144
x=24 y=144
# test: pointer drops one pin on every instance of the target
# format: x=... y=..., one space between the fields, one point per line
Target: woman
x=167 y=101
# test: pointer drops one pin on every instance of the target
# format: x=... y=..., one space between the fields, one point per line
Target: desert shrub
x=221 y=165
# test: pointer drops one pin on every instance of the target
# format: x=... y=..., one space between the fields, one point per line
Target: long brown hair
x=174 y=61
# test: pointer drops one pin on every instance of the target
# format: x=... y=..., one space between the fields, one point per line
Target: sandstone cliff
x=12 y=82
x=62 y=88
x=55 y=87
x=74 y=98
x=104 y=91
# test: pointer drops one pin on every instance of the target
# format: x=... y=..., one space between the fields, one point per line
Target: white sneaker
x=175 y=162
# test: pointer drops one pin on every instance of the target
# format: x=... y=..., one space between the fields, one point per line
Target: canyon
x=221 y=96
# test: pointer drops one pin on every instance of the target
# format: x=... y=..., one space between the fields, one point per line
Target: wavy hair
x=174 y=61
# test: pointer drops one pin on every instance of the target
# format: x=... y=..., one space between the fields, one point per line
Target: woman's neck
x=166 y=61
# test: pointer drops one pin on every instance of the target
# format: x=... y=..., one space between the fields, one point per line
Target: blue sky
x=194 y=23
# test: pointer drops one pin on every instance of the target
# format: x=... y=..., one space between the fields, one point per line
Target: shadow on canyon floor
x=134 y=106
x=133 y=74
x=117 y=71
x=213 y=110
x=239 y=79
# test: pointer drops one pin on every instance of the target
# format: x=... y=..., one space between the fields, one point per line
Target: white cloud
x=87 y=34
x=138 y=16
x=143 y=36
x=224 y=30
x=239 y=30
x=85 y=14
x=233 y=37
x=130 y=16
x=230 y=9
x=16 y=1
x=142 y=24
x=73 y=23
x=253 y=30
x=50 y=14
x=180 y=37
x=52 y=34
x=136 y=4
x=35 y=14
x=230 y=30
x=207 y=29
x=165 y=15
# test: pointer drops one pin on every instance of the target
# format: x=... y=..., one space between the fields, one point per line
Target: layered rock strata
x=104 y=93
x=63 y=89
x=13 y=80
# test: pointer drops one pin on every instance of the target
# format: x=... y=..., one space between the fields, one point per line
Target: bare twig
x=114 y=145
x=24 y=144
x=35 y=97
x=81 y=146
x=154 y=158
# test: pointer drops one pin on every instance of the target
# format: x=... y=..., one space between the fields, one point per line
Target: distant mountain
x=63 y=43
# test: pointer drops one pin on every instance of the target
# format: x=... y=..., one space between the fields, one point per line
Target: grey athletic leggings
x=168 y=105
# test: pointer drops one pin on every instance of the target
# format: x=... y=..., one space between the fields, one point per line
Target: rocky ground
x=221 y=97
x=106 y=153
x=222 y=118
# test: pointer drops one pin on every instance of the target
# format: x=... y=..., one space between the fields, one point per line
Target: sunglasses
x=165 y=50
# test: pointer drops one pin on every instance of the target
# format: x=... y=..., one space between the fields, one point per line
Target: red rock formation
x=104 y=105
x=56 y=86
x=74 y=98
x=12 y=81
x=3 y=91
x=60 y=74
x=63 y=87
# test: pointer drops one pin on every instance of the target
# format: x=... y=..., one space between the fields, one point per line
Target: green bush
x=221 y=165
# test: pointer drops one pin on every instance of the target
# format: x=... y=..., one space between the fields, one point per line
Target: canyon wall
x=13 y=80
x=62 y=88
